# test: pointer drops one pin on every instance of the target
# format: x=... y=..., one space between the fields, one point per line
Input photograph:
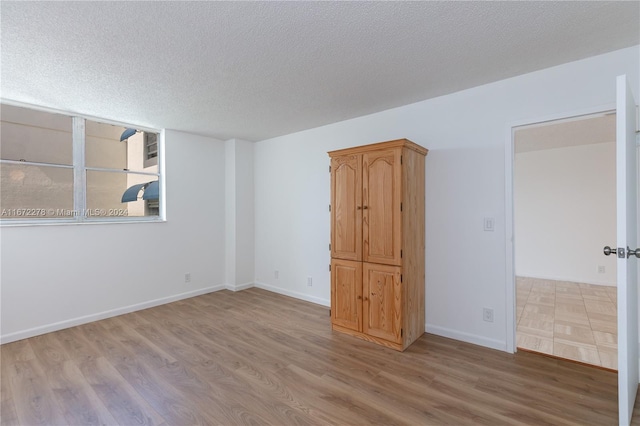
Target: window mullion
x=79 y=172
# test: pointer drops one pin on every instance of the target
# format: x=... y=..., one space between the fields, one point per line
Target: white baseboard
x=466 y=337
x=36 y=331
x=569 y=279
x=239 y=287
x=295 y=294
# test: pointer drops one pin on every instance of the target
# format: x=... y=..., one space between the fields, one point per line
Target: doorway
x=563 y=187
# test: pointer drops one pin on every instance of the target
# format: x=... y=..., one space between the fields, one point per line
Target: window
x=150 y=149
x=55 y=167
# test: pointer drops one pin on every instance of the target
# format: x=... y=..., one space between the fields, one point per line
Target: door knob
x=631 y=252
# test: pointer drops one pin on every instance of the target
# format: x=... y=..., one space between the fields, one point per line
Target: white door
x=627 y=226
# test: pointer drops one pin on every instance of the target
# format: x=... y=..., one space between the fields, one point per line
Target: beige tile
x=609 y=340
x=536 y=327
x=535 y=316
x=604 y=322
x=521 y=301
x=604 y=326
x=547 y=292
x=535 y=343
x=567 y=319
x=591 y=292
x=569 y=300
x=609 y=318
x=561 y=285
x=539 y=309
x=600 y=307
x=573 y=333
x=541 y=299
x=608 y=357
x=577 y=352
x=571 y=308
x=575 y=318
x=569 y=294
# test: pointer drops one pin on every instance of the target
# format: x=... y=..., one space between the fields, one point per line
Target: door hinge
x=400 y=277
x=400 y=254
x=329 y=312
x=329 y=266
x=329 y=169
x=400 y=206
x=329 y=247
x=401 y=159
x=329 y=207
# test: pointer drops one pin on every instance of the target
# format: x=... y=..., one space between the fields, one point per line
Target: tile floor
x=569 y=320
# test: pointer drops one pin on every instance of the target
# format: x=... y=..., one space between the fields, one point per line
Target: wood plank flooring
x=256 y=357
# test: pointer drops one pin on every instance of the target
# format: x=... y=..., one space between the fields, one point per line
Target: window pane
x=105 y=191
x=33 y=192
x=150 y=149
x=35 y=136
x=103 y=148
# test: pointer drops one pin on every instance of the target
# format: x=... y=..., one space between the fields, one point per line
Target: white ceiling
x=586 y=130
x=255 y=70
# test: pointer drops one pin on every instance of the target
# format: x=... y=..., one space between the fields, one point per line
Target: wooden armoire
x=377 y=242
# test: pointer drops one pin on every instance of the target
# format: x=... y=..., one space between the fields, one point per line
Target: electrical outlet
x=309 y=281
x=276 y=274
x=487 y=314
x=601 y=269
x=489 y=224
x=187 y=277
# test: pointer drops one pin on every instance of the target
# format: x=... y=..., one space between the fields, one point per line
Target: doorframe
x=510 y=286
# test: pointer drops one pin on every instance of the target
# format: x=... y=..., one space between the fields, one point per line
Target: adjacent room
x=311 y=212
x=565 y=286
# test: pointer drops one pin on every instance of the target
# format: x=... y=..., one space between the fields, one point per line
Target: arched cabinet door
x=346 y=207
x=381 y=198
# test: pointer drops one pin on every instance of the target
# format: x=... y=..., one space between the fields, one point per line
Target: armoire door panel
x=346 y=294
x=381 y=197
x=346 y=207
x=382 y=302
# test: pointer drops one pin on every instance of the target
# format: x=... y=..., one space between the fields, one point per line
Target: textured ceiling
x=254 y=70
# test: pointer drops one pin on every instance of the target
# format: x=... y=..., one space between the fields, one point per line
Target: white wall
x=465 y=181
x=54 y=276
x=239 y=209
x=564 y=202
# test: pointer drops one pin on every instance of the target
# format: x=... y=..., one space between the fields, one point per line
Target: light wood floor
x=570 y=320
x=255 y=357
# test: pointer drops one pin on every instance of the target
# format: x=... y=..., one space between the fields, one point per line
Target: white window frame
x=80 y=169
